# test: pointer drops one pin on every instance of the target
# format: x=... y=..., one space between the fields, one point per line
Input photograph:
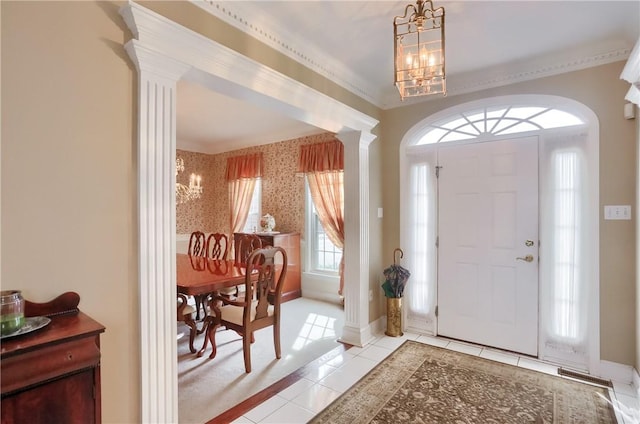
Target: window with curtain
x=242 y=174
x=323 y=166
x=323 y=254
x=255 y=211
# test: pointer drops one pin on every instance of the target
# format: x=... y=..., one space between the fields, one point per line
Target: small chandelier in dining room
x=419 y=50
x=185 y=193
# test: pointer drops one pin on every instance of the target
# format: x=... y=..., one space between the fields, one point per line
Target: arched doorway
x=564 y=136
x=164 y=52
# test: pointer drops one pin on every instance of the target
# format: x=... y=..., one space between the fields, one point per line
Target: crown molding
x=228 y=72
x=221 y=146
x=239 y=15
x=514 y=73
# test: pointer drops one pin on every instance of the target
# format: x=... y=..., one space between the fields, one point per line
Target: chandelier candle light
x=193 y=191
x=419 y=50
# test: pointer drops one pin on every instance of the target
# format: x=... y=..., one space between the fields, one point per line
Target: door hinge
x=437 y=241
x=436 y=310
x=438 y=167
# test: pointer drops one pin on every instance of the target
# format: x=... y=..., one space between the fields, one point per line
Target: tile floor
x=308 y=396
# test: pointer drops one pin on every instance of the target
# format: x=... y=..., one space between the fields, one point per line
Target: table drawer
x=30 y=368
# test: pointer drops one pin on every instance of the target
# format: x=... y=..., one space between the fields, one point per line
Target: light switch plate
x=617 y=212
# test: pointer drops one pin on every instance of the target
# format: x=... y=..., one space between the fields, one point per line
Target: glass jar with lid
x=11 y=311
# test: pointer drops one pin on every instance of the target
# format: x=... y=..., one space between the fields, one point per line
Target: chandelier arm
x=186 y=193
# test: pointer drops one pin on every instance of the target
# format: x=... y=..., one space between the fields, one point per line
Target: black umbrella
x=396 y=278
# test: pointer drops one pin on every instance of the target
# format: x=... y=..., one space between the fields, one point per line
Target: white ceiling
x=488 y=44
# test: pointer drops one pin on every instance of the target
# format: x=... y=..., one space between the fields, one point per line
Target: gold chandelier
x=185 y=193
x=419 y=50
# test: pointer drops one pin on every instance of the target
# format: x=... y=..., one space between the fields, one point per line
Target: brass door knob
x=528 y=258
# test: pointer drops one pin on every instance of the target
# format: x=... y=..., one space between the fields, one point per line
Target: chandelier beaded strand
x=419 y=50
x=185 y=193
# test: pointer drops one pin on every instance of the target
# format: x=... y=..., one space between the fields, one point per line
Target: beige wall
x=601 y=90
x=68 y=175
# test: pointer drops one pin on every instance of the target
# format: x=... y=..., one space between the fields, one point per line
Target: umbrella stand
x=396 y=278
x=394 y=317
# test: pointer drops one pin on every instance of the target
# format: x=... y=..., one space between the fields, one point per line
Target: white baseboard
x=379 y=326
x=620 y=373
x=320 y=287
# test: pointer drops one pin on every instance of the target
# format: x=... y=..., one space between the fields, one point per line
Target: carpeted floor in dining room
x=208 y=387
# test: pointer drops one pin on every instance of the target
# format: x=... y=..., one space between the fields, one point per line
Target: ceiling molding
x=514 y=73
x=221 y=146
x=224 y=70
x=242 y=17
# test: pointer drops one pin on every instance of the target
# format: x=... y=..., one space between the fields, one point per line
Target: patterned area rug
x=420 y=383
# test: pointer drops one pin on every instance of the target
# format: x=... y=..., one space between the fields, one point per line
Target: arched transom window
x=497 y=121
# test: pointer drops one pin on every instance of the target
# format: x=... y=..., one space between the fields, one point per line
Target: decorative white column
x=163 y=52
x=631 y=74
x=356 y=329
x=157 y=79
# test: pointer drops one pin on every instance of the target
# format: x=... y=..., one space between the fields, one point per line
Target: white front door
x=488 y=243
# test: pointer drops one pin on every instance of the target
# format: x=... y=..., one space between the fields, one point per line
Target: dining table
x=199 y=275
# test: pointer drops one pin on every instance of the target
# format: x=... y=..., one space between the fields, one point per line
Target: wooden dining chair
x=244 y=246
x=260 y=308
x=185 y=314
x=197 y=244
x=217 y=246
x=198 y=247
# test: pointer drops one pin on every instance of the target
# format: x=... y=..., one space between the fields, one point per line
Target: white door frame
x=164 y=52
x=592 y=153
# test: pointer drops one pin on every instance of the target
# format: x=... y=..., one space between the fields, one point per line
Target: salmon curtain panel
x=323 y=165
x=242 y=174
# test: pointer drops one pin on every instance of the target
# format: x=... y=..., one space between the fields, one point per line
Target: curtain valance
x=321 y=157
x=245 y=166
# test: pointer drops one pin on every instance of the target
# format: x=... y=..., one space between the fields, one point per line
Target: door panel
x=488 y=209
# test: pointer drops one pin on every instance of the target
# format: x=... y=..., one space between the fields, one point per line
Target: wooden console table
x=52 y=375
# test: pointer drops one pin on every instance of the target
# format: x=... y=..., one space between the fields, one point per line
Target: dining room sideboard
x=290 y=242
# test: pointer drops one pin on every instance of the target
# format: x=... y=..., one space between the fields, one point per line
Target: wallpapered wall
x=282 y=189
